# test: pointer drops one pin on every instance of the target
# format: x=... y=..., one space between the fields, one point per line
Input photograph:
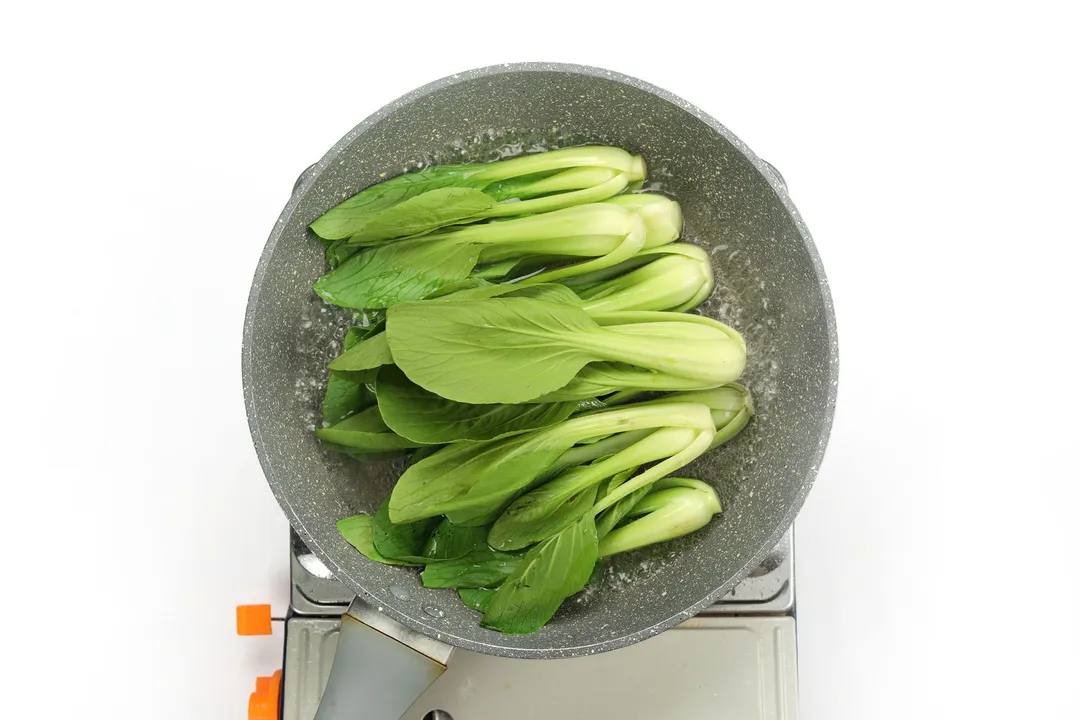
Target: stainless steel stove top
x=739 y=664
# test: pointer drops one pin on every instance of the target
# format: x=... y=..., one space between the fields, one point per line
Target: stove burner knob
x=264 y=702
x=253 y=620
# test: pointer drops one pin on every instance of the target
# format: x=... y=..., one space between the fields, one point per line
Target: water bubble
x=399 y=592
x=434 y=611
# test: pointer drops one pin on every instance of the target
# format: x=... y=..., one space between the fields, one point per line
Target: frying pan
x=770 y=286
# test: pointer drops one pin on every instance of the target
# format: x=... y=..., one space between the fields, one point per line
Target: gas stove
x=737 y=660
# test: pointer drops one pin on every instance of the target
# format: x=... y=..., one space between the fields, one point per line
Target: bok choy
x=413 y=269
x=440 y=195
x=532 y=351
x=533 y=347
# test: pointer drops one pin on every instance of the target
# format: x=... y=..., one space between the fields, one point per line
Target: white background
x=931 y=147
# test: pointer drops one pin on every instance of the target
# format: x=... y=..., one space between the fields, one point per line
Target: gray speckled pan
x=771 y=287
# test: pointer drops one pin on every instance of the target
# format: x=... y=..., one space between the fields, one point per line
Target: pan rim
x=413 y=621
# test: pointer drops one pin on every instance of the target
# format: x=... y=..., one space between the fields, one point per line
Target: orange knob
x=263 y=703
x=253 y=620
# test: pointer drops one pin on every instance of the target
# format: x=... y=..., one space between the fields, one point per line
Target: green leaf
x=345 y=395
x=470 y=283
x=518 y=186
x=495 y=271
x=422 y=452
x=480 y=568
x=698 y=446
x=338 y=251
x=551 y=512
x=366 y=432
x=354 y=335
x=607 y=520
x=476 y=517
x=425 y=417
x=422 y=214
x=549 y=573
x=527 y=347
x=357 y=531
x=473 y=289
x=372 y=352
x=349 y=216
x=400 y=541
x=380 y=277
x=472 y=476
x=549 y=508
x=449 y=541
x=478 y=599
x=364 y=456
x=483 y=476
x=345 y=218
x=517 y=349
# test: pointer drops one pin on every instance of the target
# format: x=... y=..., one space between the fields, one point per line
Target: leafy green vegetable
x=422 y=452
x=424 y=417
x=367 y=349
x=546 y=183
x=340 y=221
x=639 y=320
x=413 y=269
x=473 y=476
x=450 y=542
x=588 y=174
x=623 y=396
x=483 y=476
x=552 y=506
x=597 y=379
x=366 y=455
x=344 y=395
x=397 y=272
x=675 y=507
x=733 y=428
x=611 y=517
x=552 y=571
x=400 y=541
x=423 y=213
x=511 y=532
x=478 y=599
x=480 y=568
x=549 y=292
x=357 y=531
x=370 y=353
x=475 y=517
x=662 y=216
x=510 y=396
x=699 y=445
x=532 y=347
x=589 y=449
x=677 y=278
x=632 y=241
x=662 y=223
x=338 y=251
x=494 y=271
x=730 y=405
x=366 y=432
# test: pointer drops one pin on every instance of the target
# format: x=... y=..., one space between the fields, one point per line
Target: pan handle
x=380 y=669
x=768 y=165
x=302 y=177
